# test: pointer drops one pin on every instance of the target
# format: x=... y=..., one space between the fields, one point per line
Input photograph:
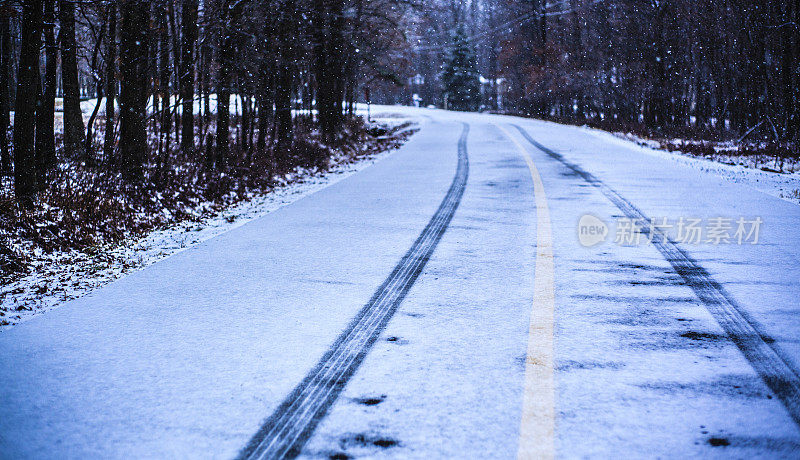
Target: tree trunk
x=245 y=118
x=165 y=114
x=111 y=80
x=133 y=93
x=90 y=123
x=5 y=95
x=284 y=81
x=203 y=77
x=25 y=107
x=205 y=81
x=326 y=48
x=189 y=25
x=98 y=83
x=151 y=87
x=45 y=115
x=790 y=97
x=266 y=79
x=324 y=71
x=264 y=107
x=337 y=45
x=176 y=59
x=226 y=58
x=73 y=117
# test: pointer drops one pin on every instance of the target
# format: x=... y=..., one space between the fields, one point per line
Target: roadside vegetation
x=89 y=206
x=196 y=105
x=709 y=78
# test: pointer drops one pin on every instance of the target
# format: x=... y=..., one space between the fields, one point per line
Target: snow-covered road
x=413 y=310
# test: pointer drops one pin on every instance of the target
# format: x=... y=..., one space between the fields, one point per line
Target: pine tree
x=461 y=77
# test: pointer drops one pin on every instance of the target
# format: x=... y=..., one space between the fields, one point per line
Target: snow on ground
x=187 y=357
x=781 y=185
x=64 y=275
x=315 y=262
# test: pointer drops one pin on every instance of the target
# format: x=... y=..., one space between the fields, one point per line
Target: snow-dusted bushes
x=84 y=207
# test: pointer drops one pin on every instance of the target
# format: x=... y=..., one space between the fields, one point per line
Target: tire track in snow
x=767 y=359
x=285 y=432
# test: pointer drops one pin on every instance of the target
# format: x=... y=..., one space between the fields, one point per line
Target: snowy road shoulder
x=781 y=185
x=65 y=275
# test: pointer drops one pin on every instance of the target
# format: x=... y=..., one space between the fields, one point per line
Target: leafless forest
x=189 y=101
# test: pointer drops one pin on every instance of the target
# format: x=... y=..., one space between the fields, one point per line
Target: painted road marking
x=537 y=427
x=766 y=357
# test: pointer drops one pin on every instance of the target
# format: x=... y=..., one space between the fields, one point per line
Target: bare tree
x=164 y=72
x=133 y=88
x=189 y=38
x=45 y=141
x=5 y=87
x=111 y=79
x=25 y=107
x=229 y=16
x=73 y=117
x=284 y=80
x=328 y=52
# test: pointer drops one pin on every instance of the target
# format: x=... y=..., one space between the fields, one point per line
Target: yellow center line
x=537 y=427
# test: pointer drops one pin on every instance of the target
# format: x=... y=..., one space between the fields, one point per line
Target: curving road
x=441 y=303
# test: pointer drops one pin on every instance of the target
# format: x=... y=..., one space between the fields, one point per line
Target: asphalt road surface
x=498 y=287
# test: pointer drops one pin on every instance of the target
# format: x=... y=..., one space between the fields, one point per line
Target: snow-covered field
x=64 y=275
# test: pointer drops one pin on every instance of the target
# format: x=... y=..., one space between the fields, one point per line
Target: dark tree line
x=723 y=68
x=227 y=83
x=727 y=65
x=198 y=78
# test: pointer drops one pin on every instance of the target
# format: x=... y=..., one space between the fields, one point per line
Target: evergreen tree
x=461 y=78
